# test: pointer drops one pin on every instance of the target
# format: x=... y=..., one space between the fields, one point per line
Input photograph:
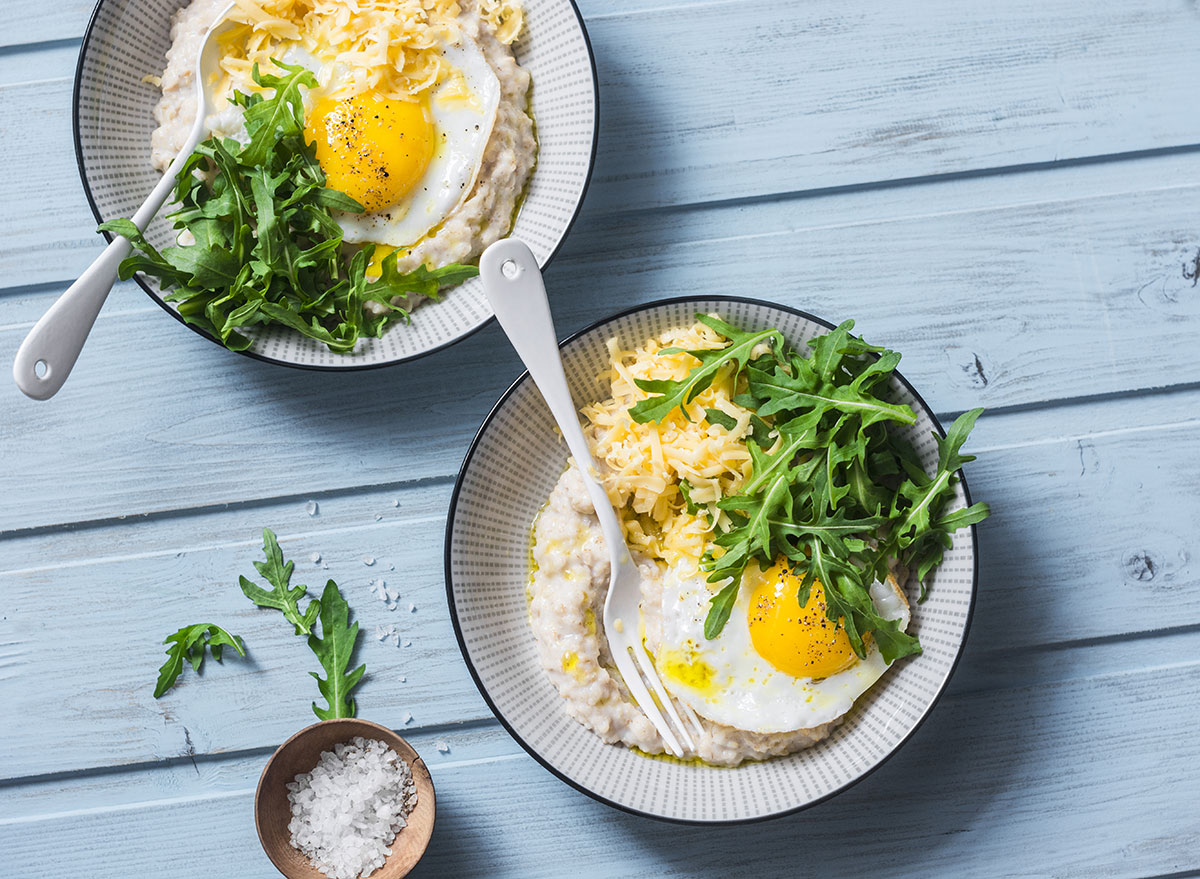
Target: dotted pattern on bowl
x=506 y=478
x=114 y=118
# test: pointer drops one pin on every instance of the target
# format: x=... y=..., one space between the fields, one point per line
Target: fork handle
x=513 y=286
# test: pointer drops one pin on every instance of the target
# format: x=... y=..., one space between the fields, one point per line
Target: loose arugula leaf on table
x=334 y=648
x=283 y=596
x=832 y=488
x=189 y=644
x=267 y=248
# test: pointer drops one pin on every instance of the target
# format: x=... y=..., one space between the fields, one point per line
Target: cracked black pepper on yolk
x=800 y=641
x=374 y=149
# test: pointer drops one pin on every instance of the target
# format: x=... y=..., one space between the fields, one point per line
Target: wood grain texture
x=1042 y=557
x=1006 y=193
x=1114 y=306
x=832 y=99
x=1068 y=762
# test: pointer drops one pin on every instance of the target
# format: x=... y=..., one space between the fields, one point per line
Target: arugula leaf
x=333 y=649
x=721 y=605
x=685 y=489
x=281 y=115
x=283 y=596
x=832 y=488
x=189 y=644
x=720 y=419
x=267 y=248
x=670 y=394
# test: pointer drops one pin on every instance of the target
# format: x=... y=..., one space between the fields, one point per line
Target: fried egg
x=410 y=163
x=776 y=666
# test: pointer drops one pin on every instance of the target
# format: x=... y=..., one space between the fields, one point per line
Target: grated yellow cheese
x=646 y=462
x=391 y=47
x=505 y=17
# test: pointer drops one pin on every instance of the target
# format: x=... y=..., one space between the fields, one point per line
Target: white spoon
x=513 y=286
x=48 y=353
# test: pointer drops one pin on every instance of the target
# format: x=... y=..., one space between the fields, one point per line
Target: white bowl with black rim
x=114 y=117
x=511 y=468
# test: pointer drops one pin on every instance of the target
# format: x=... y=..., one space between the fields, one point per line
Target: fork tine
x=689 y=714
x=631 y=672
x=651 y=674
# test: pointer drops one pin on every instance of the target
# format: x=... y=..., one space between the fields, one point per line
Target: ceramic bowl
x=301 y=753
x=114 y=116
x=510 y=469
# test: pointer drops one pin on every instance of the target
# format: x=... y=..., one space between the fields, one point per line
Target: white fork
x=513 y=285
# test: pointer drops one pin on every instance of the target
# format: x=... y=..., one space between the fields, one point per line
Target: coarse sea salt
x=348 y=810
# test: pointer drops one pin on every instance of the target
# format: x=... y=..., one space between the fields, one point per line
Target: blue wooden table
x=1006 y=193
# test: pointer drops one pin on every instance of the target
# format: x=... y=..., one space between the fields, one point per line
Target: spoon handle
x=514 y=288
x=56 y=340
x=48 y=353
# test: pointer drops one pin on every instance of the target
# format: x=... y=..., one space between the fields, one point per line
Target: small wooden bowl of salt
x=338 y=794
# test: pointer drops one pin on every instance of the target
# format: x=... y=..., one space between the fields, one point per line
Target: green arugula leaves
x=267 y=248
x=333 y=649
x=834 y=489
x=335 y=642
x=671 y=394
x=326 y=622
x=189 y=644
x=283 y=596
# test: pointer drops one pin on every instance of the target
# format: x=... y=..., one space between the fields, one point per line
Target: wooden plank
x=1065 y=568
x=1071 y=768
x=685 y=121
x=959 y=293
x=107 y=710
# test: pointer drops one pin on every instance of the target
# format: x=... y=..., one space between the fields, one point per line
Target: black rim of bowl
x=462 y=645
x=353 y=367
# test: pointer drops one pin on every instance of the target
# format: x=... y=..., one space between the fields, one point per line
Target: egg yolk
x=800 y=641
x=375 y=266
x=373 y=149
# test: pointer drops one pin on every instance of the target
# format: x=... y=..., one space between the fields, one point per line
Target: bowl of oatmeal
x=800 y=688
x=437 y=127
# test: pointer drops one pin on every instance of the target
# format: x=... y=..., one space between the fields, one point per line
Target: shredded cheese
x=392 y=47
x=645 y=463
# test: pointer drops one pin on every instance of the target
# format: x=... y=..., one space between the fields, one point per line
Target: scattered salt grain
x=407 y=718
x=379 y=588
x=315 y=557
x=378 y=516
x=412 y=608
x=442 y=747
x=406 y=643
x=388 y=633
x=312 y=508
x=348 y=810
x=395 y=503
x=368 y=560
x=403 y=678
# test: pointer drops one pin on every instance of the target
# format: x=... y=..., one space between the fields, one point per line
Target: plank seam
x=245 y=504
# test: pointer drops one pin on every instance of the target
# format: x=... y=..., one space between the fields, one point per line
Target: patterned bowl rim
x=108 y=236
x=462 y=644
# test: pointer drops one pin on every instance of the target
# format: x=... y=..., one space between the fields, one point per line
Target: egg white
x=461 y=131
x=744 y=690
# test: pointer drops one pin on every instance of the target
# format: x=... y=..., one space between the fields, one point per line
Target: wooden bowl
x=301 y=753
